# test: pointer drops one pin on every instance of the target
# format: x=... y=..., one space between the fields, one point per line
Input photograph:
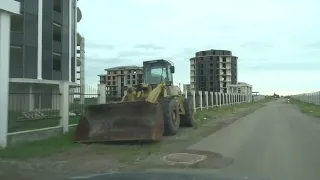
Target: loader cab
x=158 y=71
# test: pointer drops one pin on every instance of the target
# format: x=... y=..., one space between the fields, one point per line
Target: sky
x=277 y=41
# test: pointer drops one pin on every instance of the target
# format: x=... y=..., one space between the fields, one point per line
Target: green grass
x=61 y=143
x=307 y=108
x=203 y=116
x=39 y=148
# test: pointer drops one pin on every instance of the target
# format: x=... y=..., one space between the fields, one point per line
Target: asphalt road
x=276 y=142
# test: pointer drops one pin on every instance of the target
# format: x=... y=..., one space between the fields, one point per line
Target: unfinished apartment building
x=213 y=70
x=117 y=79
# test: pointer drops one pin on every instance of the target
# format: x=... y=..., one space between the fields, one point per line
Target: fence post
x=217 y=99
x=211 y=94
x=64 y=106
x=219 y=94
x=200 y=94
x=238 y=99
x=222 y=99
x=207 y=99
x=227 y=100
x=101 y=94
x=194 y=100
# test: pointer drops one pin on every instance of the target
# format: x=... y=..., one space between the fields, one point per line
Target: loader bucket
x=123 y=121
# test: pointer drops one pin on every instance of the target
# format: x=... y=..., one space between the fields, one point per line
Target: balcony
x=79 y=15
x=56 y=75
x=79 y=61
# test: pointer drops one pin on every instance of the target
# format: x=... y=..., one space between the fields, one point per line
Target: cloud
x=133 y=53
x=313 y=45
x=283 y=66
x=268 y=45
x=149 y=47
x=256 y=45
x=95 y=45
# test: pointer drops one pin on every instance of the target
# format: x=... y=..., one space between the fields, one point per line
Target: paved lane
x=276 y=142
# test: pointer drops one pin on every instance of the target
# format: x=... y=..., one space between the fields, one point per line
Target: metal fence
x=38 y=110
x=33 y=110
x=313 y=97
x=79 y=97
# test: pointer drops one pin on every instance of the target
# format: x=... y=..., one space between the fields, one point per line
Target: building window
x=109 y=83
x=128 y=82
x=128 y=76
x=56 y=63
x=113 y=83
x=133 y=81
x=133 y=76
x=16 y=23
x=108 y=77
x=57 y=4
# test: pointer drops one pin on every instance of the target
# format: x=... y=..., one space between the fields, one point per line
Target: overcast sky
x=277 y=41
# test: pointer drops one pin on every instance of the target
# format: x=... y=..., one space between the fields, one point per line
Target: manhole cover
x=183 y=158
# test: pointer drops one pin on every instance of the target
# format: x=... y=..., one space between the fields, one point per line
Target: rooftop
x=123 y=68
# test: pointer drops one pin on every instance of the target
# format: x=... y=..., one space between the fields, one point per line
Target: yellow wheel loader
x=146 y=112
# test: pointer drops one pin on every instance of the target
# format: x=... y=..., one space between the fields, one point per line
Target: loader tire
x=170 y=109
x=187 y=119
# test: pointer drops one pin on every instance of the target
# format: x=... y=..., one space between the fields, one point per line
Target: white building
x=242 y=88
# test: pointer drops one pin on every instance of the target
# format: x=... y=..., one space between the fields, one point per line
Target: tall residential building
x=213 y=70
x=186 y=87
x=117 y=79
x=43 y=41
